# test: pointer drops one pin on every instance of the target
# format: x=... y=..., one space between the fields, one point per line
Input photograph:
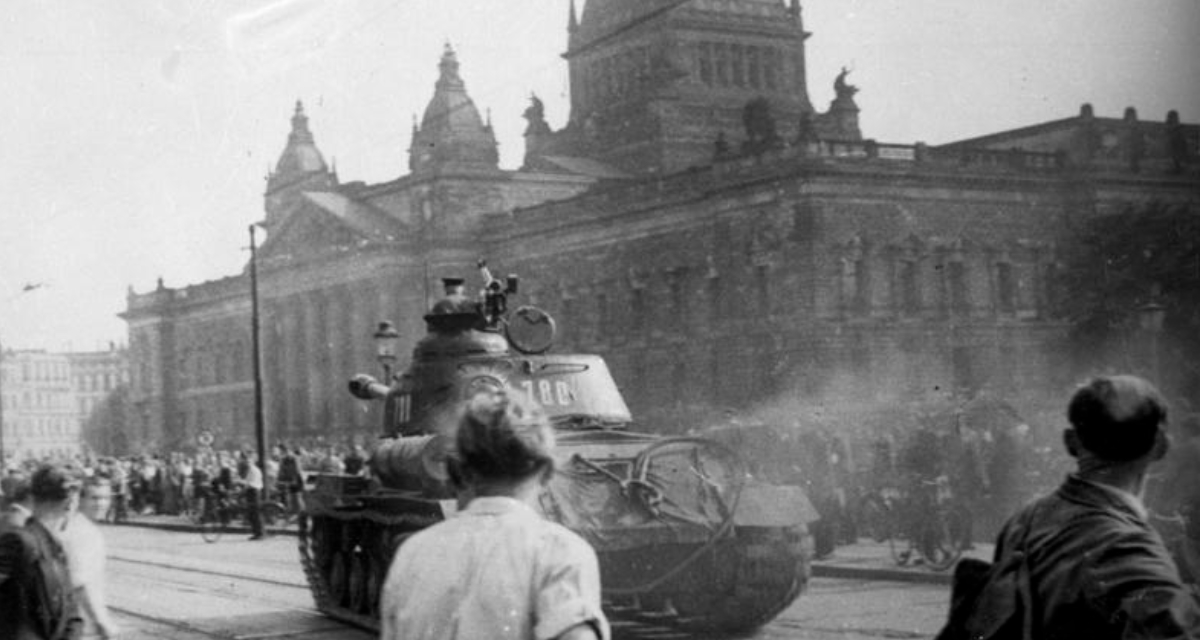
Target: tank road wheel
x=375 y=577
x=771 y=571
x=364 y=583
x=339 y=579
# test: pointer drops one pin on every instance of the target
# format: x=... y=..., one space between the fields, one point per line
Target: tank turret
x=680 y=525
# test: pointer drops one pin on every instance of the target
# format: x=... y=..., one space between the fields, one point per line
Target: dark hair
x=51 y=483
x=1117 y=418
x=502 y=437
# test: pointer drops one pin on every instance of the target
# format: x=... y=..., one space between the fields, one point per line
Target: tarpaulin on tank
x=685 y=489
x=768 y=505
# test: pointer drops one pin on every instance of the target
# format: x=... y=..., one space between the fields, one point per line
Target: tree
x=1118 y=263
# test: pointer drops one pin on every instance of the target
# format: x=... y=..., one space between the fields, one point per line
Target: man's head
x=54 y=489
x=1117 y=419
x=501 y=438
x=16 y=491
x=453 y=286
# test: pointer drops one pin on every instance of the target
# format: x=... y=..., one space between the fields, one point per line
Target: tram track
x=281 y=596
x=298 y=584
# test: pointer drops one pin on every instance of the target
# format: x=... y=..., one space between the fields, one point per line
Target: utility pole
x=260 y=431
x=3 y=454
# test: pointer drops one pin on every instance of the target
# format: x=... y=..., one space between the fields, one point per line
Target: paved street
x=173 y=585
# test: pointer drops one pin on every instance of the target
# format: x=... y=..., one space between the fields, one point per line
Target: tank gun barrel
x=365 y=387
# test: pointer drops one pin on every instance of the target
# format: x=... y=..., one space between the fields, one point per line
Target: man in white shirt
x=84 y=546
x=251 y=478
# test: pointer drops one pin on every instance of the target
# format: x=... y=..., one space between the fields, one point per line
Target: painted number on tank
x=403 y=408
x=549 y=393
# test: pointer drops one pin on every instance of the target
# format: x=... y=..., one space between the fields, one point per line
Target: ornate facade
x=696 y=221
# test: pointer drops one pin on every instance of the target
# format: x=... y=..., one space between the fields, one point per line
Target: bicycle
x=118 y=509
x=215 y=518
x=923 y=527
x=219 y=512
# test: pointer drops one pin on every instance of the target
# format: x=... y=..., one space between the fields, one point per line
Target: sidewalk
x=866 y=560
x=870 y=560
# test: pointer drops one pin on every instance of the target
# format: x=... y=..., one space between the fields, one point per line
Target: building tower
x=452 y=135
x=655 y=82
x=300 y=168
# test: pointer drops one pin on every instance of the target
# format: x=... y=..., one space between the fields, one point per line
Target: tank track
x=761 y=573
x=345 y=556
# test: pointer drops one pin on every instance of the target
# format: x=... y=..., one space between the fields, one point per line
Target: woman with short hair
x=497 y=569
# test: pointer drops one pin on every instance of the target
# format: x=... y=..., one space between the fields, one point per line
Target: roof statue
x=535 y=113
x=843 y=88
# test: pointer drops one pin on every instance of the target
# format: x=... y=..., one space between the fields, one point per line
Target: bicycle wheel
x=876 y=519
x=211 y=527
x=272 y=513
x=938 y=546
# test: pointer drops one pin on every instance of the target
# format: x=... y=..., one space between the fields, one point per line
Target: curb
x=885 y=574
x=191 y=527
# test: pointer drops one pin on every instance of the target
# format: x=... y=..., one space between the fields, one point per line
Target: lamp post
x=260 y=431
x=1151 y=316
x=386 y=338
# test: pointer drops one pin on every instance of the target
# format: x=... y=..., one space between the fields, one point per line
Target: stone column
x=313 y=340
x=294 y=368
x=337 y=327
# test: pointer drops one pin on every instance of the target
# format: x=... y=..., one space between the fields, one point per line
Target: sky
x=135 y=135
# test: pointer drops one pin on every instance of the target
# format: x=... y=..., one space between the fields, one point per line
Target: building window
x=855 y=287
x=762 y=291
x=963 y=370
x=754 y=67
x=722 y=55
x=956 y=281
x=737 y=64
x=678 y=297
x=715 y=299
x=1006 y=288
x=706 y=63
x=602 y=316
x=910 y=295
x=1048 y=290
x=637 y=308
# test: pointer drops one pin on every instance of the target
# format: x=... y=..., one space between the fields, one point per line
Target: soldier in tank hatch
x=455 y=300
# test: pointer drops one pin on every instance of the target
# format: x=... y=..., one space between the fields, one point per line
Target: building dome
x=301 y=154
x=451 y=131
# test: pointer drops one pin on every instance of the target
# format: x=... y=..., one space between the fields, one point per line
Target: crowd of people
x=175 y=483
x=977 y=453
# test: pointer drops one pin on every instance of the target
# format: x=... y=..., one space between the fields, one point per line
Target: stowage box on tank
x=681 y=529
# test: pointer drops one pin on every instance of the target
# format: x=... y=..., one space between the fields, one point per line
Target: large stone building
x=39 y=417
x=697 y=221
x=51 y=401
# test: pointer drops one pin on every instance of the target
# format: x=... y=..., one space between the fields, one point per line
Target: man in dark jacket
x=35 y=587
x=1097 y=568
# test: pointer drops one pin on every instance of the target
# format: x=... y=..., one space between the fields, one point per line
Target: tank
x=685 y=534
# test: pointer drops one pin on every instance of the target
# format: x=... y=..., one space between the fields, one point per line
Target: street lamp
x=386 y=338
x=1150 y=317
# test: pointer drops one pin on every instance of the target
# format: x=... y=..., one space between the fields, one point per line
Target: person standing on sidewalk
x=251 y=479
x=499 y=569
